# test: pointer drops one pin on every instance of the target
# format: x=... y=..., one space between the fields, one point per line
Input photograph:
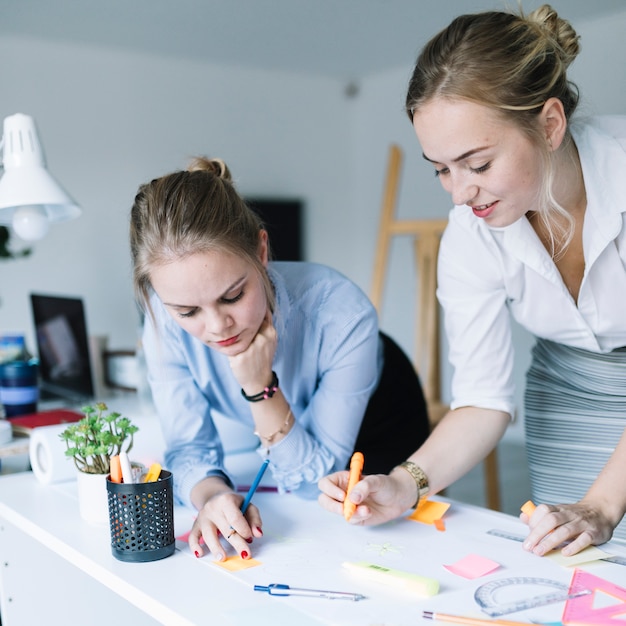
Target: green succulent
x=98 y=436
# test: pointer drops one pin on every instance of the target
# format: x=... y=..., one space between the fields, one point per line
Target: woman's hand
x=221 y=515
x=253 y=367
x=580 y=524
x=379 y=497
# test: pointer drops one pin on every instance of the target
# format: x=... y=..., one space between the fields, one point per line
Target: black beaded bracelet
x=268 y=392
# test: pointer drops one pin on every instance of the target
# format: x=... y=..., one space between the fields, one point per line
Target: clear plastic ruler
x=490 y=596
x=619 y=560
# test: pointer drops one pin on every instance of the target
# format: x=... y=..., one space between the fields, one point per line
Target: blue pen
x=286 y=590
x=253 y=488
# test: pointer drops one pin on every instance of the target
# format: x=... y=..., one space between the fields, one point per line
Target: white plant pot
x=92 y=498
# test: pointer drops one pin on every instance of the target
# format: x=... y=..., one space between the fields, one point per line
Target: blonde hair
x=191 y=211
x=512 y=63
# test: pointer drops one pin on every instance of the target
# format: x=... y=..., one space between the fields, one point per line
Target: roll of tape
x=47 y=455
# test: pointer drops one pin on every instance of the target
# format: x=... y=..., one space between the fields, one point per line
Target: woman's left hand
x=580 y=524
x=253 y=367
x=221 y=516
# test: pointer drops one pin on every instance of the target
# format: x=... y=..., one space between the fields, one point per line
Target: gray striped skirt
x=575 y=413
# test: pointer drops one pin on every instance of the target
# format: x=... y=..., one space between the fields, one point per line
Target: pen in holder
x=142 y=519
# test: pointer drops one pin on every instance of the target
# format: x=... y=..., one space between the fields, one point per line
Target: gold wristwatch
x=420 y=478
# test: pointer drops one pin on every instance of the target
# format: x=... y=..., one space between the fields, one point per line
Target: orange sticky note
x=428 y=512
x=528 y=508
x=236 y=563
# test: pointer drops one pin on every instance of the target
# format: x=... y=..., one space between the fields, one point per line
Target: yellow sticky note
x=584 y=556
x=236 y=563
x=428 y=512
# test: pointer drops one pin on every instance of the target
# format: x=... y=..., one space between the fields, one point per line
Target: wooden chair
x=426 y=236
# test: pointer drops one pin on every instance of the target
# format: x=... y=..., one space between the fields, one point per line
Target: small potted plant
x=91 y=442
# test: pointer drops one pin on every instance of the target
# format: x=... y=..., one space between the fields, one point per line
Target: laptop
x=65 y=371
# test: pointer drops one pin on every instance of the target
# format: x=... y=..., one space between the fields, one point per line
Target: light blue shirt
x=328 y=362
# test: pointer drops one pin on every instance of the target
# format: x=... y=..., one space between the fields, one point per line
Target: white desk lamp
x=30 y=198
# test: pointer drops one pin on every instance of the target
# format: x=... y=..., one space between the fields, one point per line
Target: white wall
x=112 y=120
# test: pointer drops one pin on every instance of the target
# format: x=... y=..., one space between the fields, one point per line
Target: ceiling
x=346 y=39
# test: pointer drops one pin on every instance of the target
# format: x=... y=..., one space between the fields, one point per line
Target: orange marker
x=356 y=467
x=116 y=469
x=528 y=508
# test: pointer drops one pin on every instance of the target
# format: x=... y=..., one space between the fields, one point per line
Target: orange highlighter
x=528 y=508
x=116 y=469
x=356 y=467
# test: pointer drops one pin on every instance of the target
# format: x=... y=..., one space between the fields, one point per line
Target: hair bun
x=560 y=31
x=215 y=166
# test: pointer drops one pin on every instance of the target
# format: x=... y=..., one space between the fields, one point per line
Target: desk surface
x=302 y=546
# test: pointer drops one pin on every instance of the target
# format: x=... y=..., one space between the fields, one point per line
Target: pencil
x=253 y=488
x=470 y=621
x=254 y=485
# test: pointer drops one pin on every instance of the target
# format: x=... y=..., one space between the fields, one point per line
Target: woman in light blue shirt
x=291 y=350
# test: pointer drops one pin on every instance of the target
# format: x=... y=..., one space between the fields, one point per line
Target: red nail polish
x=249 y=539
x=197 y=554
x=258 y=529
x=244 y=554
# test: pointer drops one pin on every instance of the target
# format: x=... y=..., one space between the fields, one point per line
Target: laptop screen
x=63 y=347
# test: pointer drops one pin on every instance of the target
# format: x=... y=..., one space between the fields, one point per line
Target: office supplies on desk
x=285 y=590
x=116 y=469
x=25 y=424
x=356 y=467
x=420 y=585
x=470 y=621
x=127 y=470
x=487 y=600
x=253 y=488
x=141 y=517
x=46 y=453
x=153 y=473
x=586 y=609
x=599 y=556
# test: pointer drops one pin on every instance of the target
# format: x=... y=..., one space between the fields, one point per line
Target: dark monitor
x=283 y=221
x=63 y=348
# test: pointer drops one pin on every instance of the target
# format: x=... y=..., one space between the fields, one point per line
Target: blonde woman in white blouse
x=537 y=234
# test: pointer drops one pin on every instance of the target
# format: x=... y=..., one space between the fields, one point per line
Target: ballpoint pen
x=253 y=488
x=286 y=590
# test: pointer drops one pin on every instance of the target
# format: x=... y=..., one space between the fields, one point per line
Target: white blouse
x=487 y=274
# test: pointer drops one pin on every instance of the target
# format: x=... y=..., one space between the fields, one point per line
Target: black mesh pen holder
x=141 y=516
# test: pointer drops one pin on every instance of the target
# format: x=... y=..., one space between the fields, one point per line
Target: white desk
x=56 y=568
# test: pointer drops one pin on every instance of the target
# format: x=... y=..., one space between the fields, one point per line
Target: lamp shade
x=26 y=181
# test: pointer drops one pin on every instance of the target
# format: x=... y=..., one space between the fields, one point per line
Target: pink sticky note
x=473 y=566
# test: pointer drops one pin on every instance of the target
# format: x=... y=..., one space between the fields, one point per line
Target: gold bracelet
x=420 y=478
x=280 y=431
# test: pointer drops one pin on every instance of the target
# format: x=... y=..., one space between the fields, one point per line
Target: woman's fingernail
x=258 y=529
x=219 y=557
x=244 y=554
x=249 y=539
x=197 y=554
